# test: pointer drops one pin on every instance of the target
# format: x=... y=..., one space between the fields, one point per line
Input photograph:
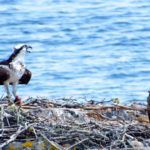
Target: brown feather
x=26 y=77
x=4 y=75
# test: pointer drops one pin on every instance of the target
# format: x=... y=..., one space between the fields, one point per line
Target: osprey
x=13 y=71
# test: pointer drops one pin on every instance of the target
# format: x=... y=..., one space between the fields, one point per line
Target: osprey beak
x=28 y=48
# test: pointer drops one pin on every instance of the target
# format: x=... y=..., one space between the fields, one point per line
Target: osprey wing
x=4 y=75
x=26 y=77
x=4 y=62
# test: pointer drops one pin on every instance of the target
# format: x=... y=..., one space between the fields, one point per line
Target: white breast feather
x=16 y=70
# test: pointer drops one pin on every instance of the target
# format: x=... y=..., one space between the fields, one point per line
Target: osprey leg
x=6 y=85
x=14 y=89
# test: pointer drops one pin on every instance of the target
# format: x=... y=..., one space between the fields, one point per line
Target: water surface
x=97 y=49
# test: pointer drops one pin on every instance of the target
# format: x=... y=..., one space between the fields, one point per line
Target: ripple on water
x=87 y=48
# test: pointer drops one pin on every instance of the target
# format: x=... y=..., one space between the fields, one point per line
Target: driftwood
x=66 y=126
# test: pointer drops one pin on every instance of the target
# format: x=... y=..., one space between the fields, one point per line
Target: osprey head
x=19 y=51
x=22 y=48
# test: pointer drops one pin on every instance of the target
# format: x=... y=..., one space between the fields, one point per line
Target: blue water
x=81 y=48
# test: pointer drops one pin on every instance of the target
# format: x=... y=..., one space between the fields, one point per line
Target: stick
x=2 y=117
x=115 y=107
x=77 y=143
x=14 y=136
x=52 y=142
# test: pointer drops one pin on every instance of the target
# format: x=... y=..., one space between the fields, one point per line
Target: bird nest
x=68 y=125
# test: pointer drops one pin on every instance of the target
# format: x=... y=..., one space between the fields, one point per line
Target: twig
x=14 y=136
x=2 y=117
x=34 y=131
x=80 y=142
x=129 y=136
x=115 y=107
x=52 y=142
